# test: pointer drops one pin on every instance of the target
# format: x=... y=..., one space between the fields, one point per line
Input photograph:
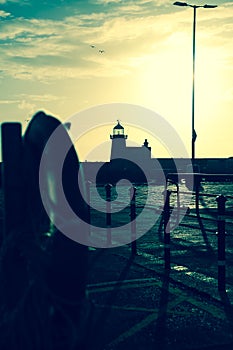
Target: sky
x=50 y=60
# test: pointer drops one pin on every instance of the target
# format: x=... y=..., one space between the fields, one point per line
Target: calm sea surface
x=152 y=195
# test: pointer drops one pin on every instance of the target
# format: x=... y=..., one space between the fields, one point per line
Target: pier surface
x=137 y=304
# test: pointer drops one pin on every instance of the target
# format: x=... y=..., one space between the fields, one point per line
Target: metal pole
x=197 y=184
x=167 y=246
x=88 y=187
x=133 y=220
x=181 y=3
x=193 y=83
x=221 y=200
x=108 y=189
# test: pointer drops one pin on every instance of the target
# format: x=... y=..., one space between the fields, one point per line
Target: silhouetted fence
x=15 y=201
x=221 y=210
x=133 y=216
x=168 y=227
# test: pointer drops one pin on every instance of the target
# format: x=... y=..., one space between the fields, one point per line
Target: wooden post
x=12 y=179
x=221 y=200
x=133 y=221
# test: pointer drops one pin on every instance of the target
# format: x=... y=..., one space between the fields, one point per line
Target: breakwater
x=155 y=170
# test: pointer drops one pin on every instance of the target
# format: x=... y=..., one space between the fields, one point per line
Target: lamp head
x=206 y=6
x=210 y=6
x=179 y=3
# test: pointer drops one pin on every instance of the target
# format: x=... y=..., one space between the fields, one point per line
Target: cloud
x=40 y=98
x=7 y=102
x=14 y=1
x=106 y=2
x=46 y=49
x=4 y=14
x=26 y=105
x=28 y=108
x=131 y=2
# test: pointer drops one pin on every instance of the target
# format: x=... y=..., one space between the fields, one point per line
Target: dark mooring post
x=221 y=200
x=12 y=180
x=108 y=189
x=167 y=247
x=133 y=220
x=88 y=188
x=197 y=184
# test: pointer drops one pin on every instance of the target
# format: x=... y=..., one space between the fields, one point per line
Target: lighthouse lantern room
x=118 y=131
x=118 y=142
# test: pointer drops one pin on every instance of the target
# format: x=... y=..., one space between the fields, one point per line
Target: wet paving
x=140 y=305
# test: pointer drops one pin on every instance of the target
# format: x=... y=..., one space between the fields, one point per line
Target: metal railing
x=220 y=201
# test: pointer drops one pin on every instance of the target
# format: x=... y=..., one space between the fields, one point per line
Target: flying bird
x=100 y=50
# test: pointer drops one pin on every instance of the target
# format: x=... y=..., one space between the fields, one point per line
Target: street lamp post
x=179 y=3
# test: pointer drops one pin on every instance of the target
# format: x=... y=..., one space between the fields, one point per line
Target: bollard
x=133 y=220
x=167 y=247
x=108 y=189
x=221 y=200
x=197 y=196
x=178 y=203
x=88 y=187
x=12 y=176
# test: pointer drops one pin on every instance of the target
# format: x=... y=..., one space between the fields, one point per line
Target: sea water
x=153 y=196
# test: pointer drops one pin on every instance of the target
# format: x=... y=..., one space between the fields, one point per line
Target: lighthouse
x=118 y=138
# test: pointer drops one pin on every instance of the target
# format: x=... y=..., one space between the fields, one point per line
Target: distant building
x=136 y=165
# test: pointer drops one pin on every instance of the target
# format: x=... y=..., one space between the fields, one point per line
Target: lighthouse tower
x=118 y=138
